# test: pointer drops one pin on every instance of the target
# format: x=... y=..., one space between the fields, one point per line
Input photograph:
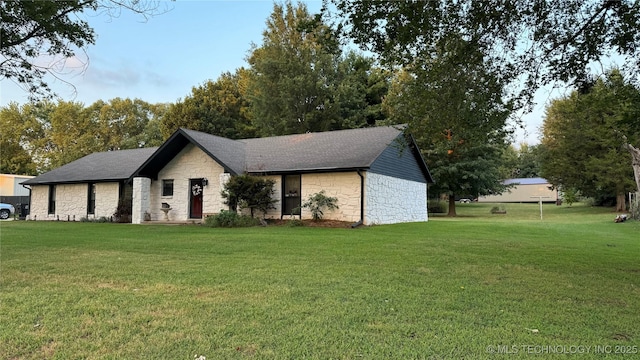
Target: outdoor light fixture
x=205 y=182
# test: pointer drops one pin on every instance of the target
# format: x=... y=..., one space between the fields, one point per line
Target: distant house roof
x=526 y=181
x=312 y=152
x=96 y=167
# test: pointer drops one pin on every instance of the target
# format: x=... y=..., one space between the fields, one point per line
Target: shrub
x=436 y=207
x=318 y=201
x=571 y=196
x=123 y=211
x=247 y=191
x=498 y=210
x=101 y=219
x=295 y=223
x=229 y=219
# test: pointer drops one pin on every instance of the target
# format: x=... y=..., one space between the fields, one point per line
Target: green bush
x=249 y=192
x=436 y=207
x=295 y=223
x=230 y=219
x=498 y=210
x=318 y=201
x=101 y=219
x=571 y=196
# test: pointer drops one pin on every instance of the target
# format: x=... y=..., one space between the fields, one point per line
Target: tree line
x=454 y=72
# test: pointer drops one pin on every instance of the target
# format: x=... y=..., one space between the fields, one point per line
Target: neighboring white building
x=524 y=190
x=377 y=174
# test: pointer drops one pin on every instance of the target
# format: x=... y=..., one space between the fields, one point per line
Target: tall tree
x=294 y=73
x=456 y=112
x=218 y=108
x=37 y=37
x=527 y=43
x=360 y=89
x=14 y=158
x=523 y=162
x=124 y=124
x=584 y=136
x=44 y=135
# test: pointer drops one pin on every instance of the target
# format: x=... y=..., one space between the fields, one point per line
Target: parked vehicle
x=6 y=210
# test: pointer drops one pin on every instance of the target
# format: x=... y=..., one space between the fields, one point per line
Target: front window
x=291 y=194
x=91 y=202
x=52 y=199
x=167 y=187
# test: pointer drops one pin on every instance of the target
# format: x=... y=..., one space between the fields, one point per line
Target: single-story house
x=377 y=174
x=524 y=190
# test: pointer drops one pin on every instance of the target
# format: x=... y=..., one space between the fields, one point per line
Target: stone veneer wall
x=71 y=201
x=345 y=186
x=391 y=200
x=190 y=163
x=107 y=195
x=277 y=194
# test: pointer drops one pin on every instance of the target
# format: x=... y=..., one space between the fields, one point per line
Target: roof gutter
x=361 y=221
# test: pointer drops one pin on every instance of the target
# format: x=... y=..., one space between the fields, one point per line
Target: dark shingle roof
x=323 y=151
x=229 y=153
x=331 y=150
x=102 y=166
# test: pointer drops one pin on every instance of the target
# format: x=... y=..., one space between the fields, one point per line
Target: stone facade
x=345 y=186
x=391 y=200
x=72 y=201
x=190 y=163
x=107 y=195
x=141 y=200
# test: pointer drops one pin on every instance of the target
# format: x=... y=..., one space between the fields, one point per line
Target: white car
x=6 y=210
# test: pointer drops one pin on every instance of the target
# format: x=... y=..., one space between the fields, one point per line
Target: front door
x=195 y=195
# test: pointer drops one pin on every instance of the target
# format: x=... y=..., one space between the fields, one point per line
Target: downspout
x=28 y=188
x=361 y=221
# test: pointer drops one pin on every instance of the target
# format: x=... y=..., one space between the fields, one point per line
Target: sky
x=161 y=58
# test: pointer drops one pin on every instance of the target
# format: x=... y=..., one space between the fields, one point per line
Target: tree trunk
x=452 y=205
x=635 y=162
x=621 y=203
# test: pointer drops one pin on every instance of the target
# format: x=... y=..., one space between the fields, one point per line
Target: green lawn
x=450 y=288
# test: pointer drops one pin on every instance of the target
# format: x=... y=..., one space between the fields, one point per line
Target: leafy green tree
x=583 y=139
x=218 y=108
x=124 y=124
x=44 y=135
x=248 y=191
x=359 y=90
x=529 y=158
x=523 y=162
x=526 y=43
x=30 y=30
x=293 y=74
x=14 y=158
x=509 y=163
x=457 y=115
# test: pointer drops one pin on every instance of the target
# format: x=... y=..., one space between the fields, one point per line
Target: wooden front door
x=195 y=195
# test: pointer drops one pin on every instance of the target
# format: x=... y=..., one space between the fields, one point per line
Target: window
x=91 y=199
x=52 y=199
x=167 y=187
x=291 y=194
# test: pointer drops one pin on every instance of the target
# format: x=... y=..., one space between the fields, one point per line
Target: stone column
x=141 y=199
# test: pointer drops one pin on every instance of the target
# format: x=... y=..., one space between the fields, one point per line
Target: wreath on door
x=196 y=190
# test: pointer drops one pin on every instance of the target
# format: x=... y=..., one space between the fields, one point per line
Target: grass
x=451 y=288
